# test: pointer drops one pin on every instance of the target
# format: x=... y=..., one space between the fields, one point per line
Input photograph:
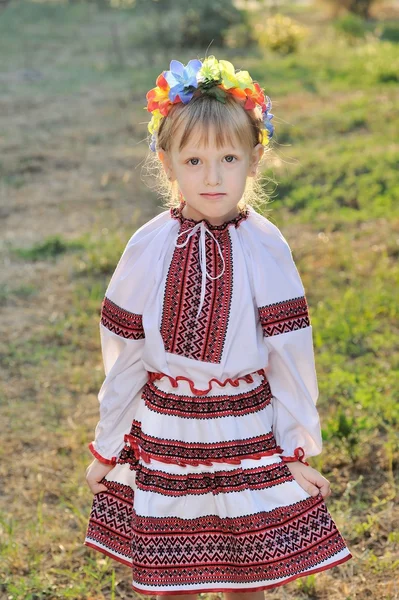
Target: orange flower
x=255 y=97
x=238 y=93
x=158 y=97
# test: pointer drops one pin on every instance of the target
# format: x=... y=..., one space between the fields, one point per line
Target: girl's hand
x=95 y=473
x=309 y=479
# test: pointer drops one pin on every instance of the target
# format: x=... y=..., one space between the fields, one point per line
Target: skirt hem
x=220 y=589
x=108 y=553
x=241 y=589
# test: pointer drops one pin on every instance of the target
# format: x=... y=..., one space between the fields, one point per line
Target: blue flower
x=153 y=142
x=267 y=117
x=181 y=77
x=269 y=128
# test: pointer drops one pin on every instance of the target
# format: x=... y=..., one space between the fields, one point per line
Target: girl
x=208 y=407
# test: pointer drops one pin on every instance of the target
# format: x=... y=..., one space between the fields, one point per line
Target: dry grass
x=71 y=169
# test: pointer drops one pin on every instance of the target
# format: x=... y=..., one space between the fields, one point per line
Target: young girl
x=208 y=407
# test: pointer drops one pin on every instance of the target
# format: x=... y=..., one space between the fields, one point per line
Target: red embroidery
x=290 y=543
x=171 y=551
x=176 y=213
x=217 y=482
x=207 y=407
x=174 y=451
x=122 y=322
x=182 y=334
x=284 y=316
x=110 y=522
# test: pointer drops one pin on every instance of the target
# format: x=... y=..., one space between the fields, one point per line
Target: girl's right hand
x=95 y=473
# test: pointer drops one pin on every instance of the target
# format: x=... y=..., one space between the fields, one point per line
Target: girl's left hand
x=309 y=479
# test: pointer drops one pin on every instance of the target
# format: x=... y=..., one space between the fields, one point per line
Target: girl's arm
x=120 y=392
x=292 y=376
x=287 y=334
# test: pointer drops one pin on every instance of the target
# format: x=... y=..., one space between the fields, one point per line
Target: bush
x=166 y=24
x=350 y=26
x=205 y=20
x=239 y=36
x=280 y=34
x=357 y=7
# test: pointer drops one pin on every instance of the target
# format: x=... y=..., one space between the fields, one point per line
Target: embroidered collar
x=190 y=227
x=176 y=213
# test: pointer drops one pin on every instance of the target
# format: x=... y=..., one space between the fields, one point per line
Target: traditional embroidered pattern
x=278 y=517
x=122 y=322
x=299 y=541
x=182 y=334
x=224 y=511
x=171 y=551
x=110 y=523
x=183 y=453
x=207 y=407
x=217 y=482
x=274 y=552
x=176 y=213
x=281 y=317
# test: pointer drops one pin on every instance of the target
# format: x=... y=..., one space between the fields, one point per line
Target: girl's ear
x=164 y=158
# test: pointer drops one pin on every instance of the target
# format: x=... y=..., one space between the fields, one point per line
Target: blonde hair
x=230 y=121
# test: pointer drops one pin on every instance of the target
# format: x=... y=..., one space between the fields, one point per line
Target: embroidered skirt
x=200 y=500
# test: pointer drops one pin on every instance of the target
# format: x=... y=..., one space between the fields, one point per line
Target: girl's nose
x=212 y=176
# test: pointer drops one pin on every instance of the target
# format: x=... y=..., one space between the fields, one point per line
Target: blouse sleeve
x=287 y=334
x=122 y=339
x=125 y=377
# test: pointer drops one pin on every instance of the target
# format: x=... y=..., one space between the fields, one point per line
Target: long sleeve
x=122 y=338
x=292 y=377
x=125 y=377
x=287 y=334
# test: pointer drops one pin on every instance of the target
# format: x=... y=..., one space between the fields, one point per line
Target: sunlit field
x=73 y=80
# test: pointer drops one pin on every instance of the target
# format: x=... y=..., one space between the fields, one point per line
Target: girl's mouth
x=213 y=195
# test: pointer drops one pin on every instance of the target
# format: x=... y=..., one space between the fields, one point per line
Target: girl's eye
x=228 y=156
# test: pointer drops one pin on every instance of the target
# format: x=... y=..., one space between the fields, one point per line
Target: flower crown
x=212 y=77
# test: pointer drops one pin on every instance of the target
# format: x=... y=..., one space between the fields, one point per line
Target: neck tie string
x=202 y=255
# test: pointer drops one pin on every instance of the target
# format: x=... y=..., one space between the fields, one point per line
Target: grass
x=72 y=131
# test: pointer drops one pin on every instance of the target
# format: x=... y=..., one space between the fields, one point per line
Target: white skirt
x=200 y=499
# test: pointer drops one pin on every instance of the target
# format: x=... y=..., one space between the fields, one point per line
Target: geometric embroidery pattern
x=168 y=550
x=110 y=522
x=297 y=540
x=176 y=213
x=212 y=482
x=120 y=321
x=172 y=551
x=182 y=333
x=207 y=407
x=194 y=453
x=281 y=317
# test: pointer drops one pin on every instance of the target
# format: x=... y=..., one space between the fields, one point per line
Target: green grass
x=335 y=161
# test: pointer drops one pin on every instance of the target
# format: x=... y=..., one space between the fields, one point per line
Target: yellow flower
x=210 y=70
x=153 y=125
x=231 y=79
x=265 y=137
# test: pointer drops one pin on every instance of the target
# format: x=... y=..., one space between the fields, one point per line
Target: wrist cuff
x=299 y=454
x=105 y=461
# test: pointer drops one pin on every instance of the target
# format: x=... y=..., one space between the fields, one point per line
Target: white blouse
x=207 y=302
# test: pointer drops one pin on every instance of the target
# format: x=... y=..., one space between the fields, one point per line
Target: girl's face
x=211 y=180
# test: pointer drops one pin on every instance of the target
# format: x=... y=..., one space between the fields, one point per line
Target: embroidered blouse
x=207 y=303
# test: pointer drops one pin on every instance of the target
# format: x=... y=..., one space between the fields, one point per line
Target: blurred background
x=73 y=128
